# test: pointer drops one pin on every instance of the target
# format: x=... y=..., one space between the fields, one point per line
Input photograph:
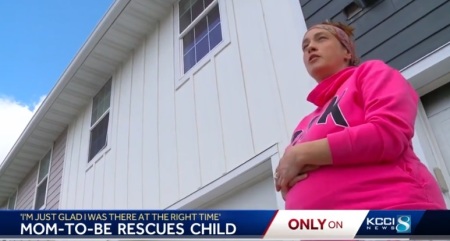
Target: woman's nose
x=311 y=48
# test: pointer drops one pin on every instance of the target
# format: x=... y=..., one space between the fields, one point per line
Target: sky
x=38 y=40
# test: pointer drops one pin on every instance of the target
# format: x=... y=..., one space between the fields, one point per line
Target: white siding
x=258 y=73
x=187 y=141
x=134 y=159
x=237 y=131
x=99 y=186
x=167 y=147
x=56 y=170
x=285 y=28
x=210 y=137
x=83 y=195
x=257 y=195
x=109 y=175
x=437 y=108
x=166 y=142
x=71 y=171
x=67 y=175
x=88 y=191
x=121 y=149
x=150 y=165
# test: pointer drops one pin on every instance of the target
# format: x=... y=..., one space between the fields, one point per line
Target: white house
x=187 y=104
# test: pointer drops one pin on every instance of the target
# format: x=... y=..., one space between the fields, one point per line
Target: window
x=12 y=202
x=41 y=190
x=351 y=10
x=200 y=29
x=100 y=120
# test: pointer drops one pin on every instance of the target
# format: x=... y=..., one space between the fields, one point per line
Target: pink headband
x=343 y=38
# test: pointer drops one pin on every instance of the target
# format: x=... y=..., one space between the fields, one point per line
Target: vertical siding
x=235 y=118
x=189 y=176
x=83 y=194
x=71 y=174
x=88 y=190
x=56 y=170
x=259 y=76
x=27 y=190
x=66 y=171
x=98 y=185
x=121 y=149
x=168 y=178
x=109 y=176
x=293 y=80
x=209 y=124
x=150 y=160
x=165 y=143
x=135 y=154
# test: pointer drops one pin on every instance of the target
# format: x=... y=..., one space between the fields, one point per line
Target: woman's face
x=323 y=54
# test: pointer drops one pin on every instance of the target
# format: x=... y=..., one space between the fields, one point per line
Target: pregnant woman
x=355 y=150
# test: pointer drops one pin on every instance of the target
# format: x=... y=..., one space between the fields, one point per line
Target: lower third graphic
x=403 y=224
x=399 y=224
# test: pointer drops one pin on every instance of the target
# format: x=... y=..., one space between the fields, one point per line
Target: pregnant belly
x=362 y=187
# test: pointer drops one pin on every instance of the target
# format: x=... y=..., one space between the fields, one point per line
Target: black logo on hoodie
x=332 y=109
x=335 y=112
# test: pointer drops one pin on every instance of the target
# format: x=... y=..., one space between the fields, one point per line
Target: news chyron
x=400 y=223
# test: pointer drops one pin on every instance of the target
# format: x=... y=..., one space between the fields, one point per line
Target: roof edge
x=99 y=31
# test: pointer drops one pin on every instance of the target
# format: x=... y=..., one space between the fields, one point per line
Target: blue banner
x=406 y=224
x=134 y=224
x=212 y=224
x=389 y=223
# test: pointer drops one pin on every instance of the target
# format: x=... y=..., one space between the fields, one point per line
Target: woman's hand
x=292 y=183
x=291 y=169
x=288 y=168
x=300 y=159
x=300 y=177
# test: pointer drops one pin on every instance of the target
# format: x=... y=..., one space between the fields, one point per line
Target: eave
x=123 y=28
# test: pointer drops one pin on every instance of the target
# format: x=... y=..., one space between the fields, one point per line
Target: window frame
x=181 y=76
x=107 y=146
x=46 y=178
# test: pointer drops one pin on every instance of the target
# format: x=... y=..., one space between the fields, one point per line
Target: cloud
x=14 y=117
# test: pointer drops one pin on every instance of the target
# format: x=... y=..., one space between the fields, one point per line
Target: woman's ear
x=347 y=56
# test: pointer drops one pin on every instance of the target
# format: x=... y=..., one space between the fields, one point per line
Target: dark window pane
x=205 y=35
x=207 y=2
x=197 y=8
x=188 y=41
x=101 y=102
x=98 y=137
x=43 y=166
x=201 y=30
x=202 y=48
x=40 y=194
x=183 y=6
x=189 y=60
x=185 y=20
x=215 y=36
x=214 y=17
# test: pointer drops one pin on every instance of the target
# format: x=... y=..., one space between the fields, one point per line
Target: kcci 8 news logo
x=401 y=224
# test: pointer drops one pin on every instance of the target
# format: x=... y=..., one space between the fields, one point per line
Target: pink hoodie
x=367 y=113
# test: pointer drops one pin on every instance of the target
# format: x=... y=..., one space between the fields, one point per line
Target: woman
x=355 y=150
